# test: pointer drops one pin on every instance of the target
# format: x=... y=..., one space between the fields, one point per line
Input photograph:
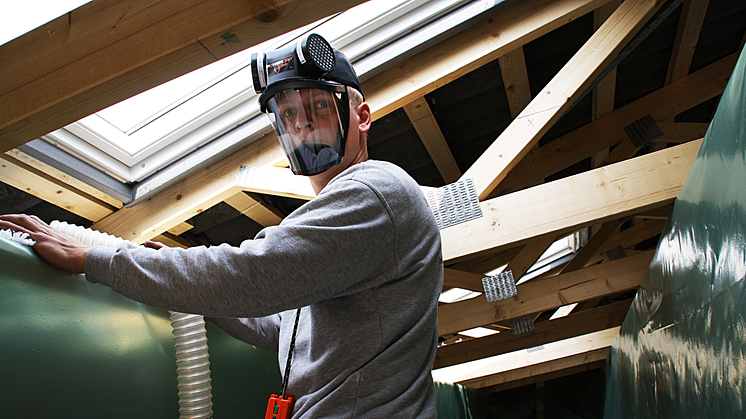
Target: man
x=361 y=260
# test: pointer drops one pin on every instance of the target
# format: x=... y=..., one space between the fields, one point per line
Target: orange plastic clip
x=279 y=407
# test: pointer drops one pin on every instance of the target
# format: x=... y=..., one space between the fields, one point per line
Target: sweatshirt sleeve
x=341 y=242
x=263 y=332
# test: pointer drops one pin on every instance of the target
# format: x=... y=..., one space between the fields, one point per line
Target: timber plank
x=196 y=193
x=559 y=94
x=427 y=128
x=549 y=293
x=252 y=206
x=25 y=178
x=118 y=43
x=574 y=202
x=566 y=327
x=609 y=129
x=515 y=80
x=440 y=64
x=535 y=370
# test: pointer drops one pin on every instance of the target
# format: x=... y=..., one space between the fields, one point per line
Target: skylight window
x=149 y=135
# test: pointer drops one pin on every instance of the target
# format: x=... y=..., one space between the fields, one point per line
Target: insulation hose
x=190 y=339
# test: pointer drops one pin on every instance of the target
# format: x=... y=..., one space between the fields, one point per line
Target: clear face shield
x=311 y=124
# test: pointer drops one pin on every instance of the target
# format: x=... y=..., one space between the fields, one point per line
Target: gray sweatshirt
x=362 y=259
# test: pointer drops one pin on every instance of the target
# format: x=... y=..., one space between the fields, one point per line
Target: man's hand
x=59 y=249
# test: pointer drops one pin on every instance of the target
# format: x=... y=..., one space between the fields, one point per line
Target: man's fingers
x=8 y=225
x=28 y=222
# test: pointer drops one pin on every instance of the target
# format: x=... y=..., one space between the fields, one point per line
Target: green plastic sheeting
x=72 y=349
x=455 y=401
x=680 y=353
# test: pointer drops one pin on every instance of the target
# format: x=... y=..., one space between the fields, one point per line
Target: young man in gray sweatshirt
x=361 y=260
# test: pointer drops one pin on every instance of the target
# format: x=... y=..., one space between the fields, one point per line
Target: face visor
x=311 y=124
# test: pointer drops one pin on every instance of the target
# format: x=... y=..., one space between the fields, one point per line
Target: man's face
x=310 y=117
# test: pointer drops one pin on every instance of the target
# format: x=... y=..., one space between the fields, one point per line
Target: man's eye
x=287 y=113
x=322 y=104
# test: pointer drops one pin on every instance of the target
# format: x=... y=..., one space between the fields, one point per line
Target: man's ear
x=365 y=119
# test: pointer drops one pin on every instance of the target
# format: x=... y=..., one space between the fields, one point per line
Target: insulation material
x=681 y=350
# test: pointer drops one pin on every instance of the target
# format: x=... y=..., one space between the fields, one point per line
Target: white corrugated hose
x=190 y=339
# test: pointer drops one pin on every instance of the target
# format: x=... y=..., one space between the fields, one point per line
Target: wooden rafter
x=583 y=350
x=681 y=132
x=559 y=95
x=106 y=51
x=446 y=61
x=63 y=179
x=628 y=238
x=585 y=254
x=609 y=129
x=489 y=261
x=604 y=92
x=528 y=256
x=462 y=279
x=572 y=203
x=687 y=34
x=278 y=181
x=181 y=228
x=515 y=80
x=549 y=293
x=576 y=324
x=252 y=206
x=24 y=177
x=194 y=194
x=427 y=128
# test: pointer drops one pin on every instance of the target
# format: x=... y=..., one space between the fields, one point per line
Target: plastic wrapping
x=72 y=349
x=680 y=352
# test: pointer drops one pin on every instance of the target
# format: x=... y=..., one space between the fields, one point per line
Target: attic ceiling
x=564 y=165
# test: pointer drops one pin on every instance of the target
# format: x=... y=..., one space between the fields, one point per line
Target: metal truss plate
x=455 y=203
x=499 y=287
x=522 y=324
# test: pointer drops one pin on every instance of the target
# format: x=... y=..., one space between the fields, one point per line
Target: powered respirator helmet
x=303 y=90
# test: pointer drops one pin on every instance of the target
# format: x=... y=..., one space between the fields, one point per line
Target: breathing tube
x=190 y=339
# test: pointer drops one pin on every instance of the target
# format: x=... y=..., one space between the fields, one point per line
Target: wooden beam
x=436 y=66
x=252 y=206
x=549 y=293
x=574 y=202
x=687 y=35
x=545 y=332
x=554 y=374
x=181 y=228
x=108 y=50
x=604 y=92
x=427 y=128
x=515 y=80
x=609 y=129
x=277 y=181
x=628 y=238
x=589 y=250
x=60 y=178
x=559 y=95
x=528 y=256
x=661 y=213
x=488 y=261
x=462 y=279
x=36 y=183
x=681 y=132
x=172 y=240
x=580 y=358
x=183 y=200
x=523 y=364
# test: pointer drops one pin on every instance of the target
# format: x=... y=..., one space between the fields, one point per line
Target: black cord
x=290 y=356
